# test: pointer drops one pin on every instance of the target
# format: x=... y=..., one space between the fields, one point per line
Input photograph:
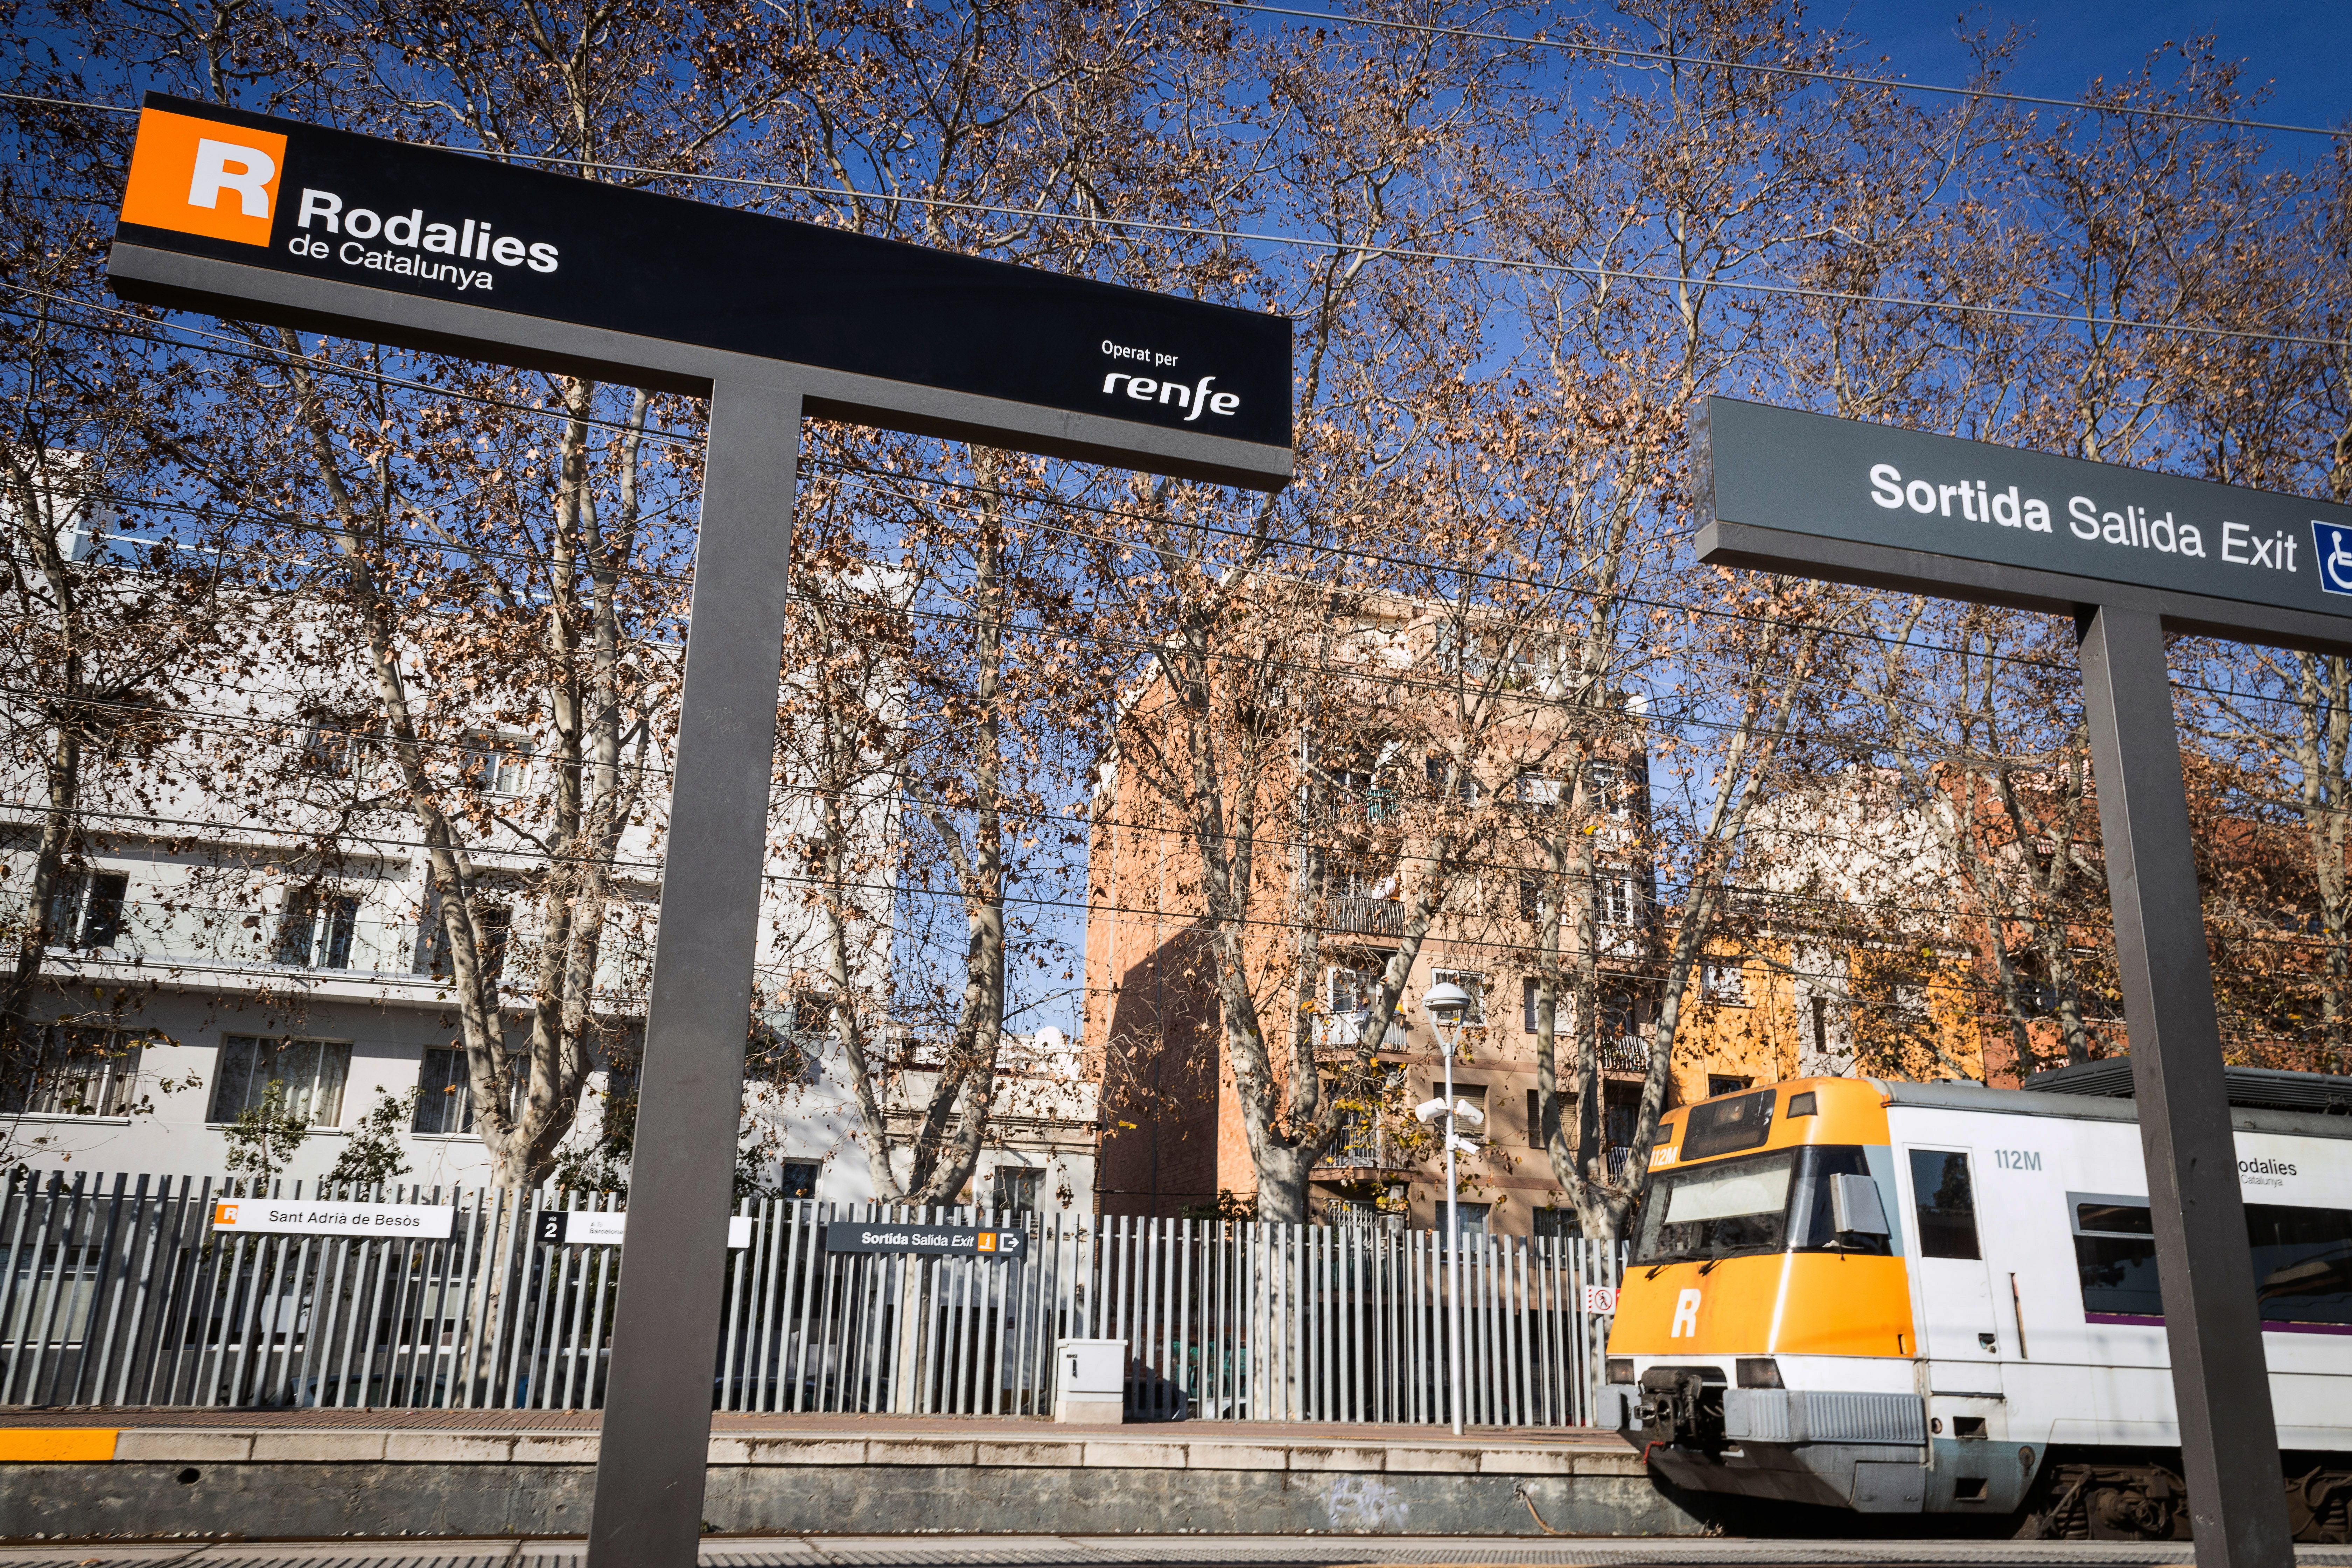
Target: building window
x=498 y=764
x=1474 y=1217
x=1557 y=1224
x=315 y=930
x=1529 y=987
x=1017 y=1190
x=74 y=1072
x=444 y=1095
x=1607 y=790
x=312 y=1073
x=1531 y=898
x=335 y=751
x=1537 y=792
x=1465 y=783
x=493 y=924
x=1352 y=992
x=797 y=1179
x=1614 y=900
x=86 y=909
x=787 y=1045
x=1535 y=1119
x=1472 y=982
x=1723 y=982
x=1721 y=1083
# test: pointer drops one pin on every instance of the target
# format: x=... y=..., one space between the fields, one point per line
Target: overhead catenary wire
x=1342 y=551
x=2084 y=317
x=1842 y=79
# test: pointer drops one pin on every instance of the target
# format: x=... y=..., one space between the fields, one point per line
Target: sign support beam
x=656 y=1432
x=2212 y=1321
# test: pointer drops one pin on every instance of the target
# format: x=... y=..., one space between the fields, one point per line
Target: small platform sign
x=931 y=1240
x=277 y=1216
x=1600 y=1299
x=582 y=1227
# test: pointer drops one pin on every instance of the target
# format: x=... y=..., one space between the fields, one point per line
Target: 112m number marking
x=2018 y=1159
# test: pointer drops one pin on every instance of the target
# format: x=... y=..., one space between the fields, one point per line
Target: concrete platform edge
x=168 y=1498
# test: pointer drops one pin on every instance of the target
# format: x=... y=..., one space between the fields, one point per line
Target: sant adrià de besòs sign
x=270 y=220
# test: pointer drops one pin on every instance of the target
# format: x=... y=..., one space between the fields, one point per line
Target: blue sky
x=2297 y=50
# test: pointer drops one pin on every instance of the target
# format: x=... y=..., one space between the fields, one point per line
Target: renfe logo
x=199 y=176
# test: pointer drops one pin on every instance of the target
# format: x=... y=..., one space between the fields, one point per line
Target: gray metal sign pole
x=656 y=1432
x=2212 y=1319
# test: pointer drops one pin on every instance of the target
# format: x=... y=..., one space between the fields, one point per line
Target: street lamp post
x=1446 y=1003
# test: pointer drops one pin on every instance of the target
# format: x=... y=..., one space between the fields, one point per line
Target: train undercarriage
x=2064 y=1494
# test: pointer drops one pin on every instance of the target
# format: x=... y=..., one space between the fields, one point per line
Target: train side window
x=1946 y=1203
x=2303 y=1263
x=2303 y=1260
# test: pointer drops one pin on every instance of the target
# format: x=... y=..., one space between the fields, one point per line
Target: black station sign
x=931 y=1240
x=1875 y=484
x=300 y=200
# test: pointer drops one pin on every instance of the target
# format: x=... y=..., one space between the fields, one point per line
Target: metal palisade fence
x=118 y=1290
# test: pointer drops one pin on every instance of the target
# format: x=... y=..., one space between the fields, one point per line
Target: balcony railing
x=1369 y=917
x=199 y=936
x=1625 y=1053
x=1344 y=1032
x=1366 y=1149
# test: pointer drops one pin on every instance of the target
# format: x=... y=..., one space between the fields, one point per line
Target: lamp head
x=1445 y=1002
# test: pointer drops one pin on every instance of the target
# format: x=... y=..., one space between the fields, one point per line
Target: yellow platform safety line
x=56 y=1444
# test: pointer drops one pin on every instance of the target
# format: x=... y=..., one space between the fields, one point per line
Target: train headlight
x=1621 y=1369
x=1760 y=1371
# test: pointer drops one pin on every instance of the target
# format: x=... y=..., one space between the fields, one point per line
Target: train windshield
x=1768 y=1203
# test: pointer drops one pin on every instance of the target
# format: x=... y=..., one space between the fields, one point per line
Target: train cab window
x=1804 y=1104
x=1946 y=1203
x=1812 y=1214
x=1715 y=1210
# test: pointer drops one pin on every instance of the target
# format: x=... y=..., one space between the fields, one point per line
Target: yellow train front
x=1942 y=1298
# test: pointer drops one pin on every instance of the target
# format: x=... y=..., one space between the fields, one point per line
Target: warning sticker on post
x=1600 y=1298
x=276 y=1216
x=931 y=1240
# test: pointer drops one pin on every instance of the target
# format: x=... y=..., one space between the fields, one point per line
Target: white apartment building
x=223 y=955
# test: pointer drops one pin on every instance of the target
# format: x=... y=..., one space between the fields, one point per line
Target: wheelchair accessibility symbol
x=2332 y=543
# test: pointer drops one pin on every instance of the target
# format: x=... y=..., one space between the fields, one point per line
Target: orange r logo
x=199 y=176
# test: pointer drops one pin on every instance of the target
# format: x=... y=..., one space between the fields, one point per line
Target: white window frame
x=312 y=915
x=1474 y=980
x=1616 y=901
x=93 y=1069
x=324 y=1084
x=1610 y=788
x=499 y=765
x=1723 y=982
